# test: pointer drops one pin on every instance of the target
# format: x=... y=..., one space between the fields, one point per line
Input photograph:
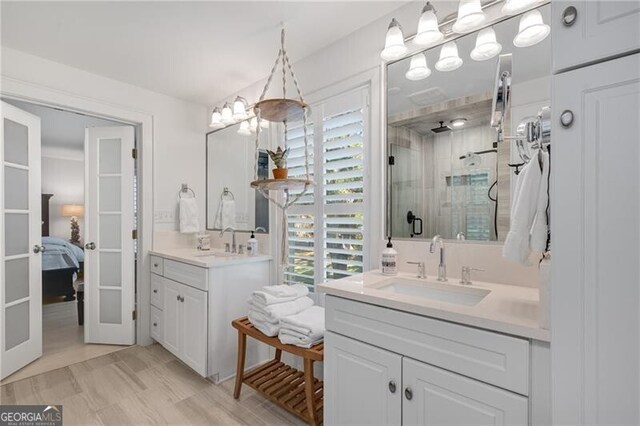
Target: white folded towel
x=309 y=322
x=226 y=215
x=273 y=313
x=264 y=326
x=289 y=337
x=189 y=216
x=265 y=298
x=283 y=290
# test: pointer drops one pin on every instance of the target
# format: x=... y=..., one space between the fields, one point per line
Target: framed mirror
x=231 y=160
x=447 y=173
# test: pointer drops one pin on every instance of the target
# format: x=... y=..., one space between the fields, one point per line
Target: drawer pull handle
x=569 y=16
x=155 y=265
x=155 y=290
x=392 y=386
x=408 y=393
x=155 y=324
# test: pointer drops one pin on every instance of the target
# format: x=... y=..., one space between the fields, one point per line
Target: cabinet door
x=194 y=329
x=437 y=397
x=362 y=383
x=171 y=311
x=601 y=29
x=595 y=231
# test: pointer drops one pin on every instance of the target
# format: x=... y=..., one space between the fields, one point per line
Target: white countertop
x=206 y=259
x=507 y=308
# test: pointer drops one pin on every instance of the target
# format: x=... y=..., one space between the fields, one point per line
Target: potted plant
x=279 y=158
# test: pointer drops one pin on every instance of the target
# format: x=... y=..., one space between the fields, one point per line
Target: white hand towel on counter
x=289 y=337
x=276 y=311
x=265 y=298
x=189 y=216
x=226 y=215
x=309 y=322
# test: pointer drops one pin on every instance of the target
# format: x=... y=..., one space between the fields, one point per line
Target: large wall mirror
x=231 y=160
x=447 y=173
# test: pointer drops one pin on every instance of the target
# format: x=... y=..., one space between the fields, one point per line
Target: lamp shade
x=216 y=119
x=394 y=46
x=227 y=114
x=486 y=45
x=532 y=29
x=449 y=59
x=470 y=16
x=240 y=109
x=244 y=129
x=418 y=68
x=428 y=31
x=70 y=210
x=514 y=7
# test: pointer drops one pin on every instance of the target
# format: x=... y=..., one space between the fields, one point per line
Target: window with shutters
x=327 y=227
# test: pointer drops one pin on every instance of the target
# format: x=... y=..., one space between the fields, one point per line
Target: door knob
x=408 y=393
x=38 y=249
x=566 y=118
x=90 y=246
x=392 y=386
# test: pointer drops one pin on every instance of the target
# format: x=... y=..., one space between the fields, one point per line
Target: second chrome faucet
x=442 y=266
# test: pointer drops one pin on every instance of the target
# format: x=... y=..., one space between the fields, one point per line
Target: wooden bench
x=296 y=391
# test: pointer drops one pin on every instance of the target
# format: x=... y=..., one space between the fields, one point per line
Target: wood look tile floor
x=143 y=386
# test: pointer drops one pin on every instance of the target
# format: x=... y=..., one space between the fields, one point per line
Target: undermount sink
x=442 y=292
x=216 y=254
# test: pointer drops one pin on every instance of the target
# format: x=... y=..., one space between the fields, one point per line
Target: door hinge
x=134 y=234
x=134 y=153
x=134 y=314
x=392 y=160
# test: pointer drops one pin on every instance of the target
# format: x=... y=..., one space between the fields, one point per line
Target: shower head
x=441 y=129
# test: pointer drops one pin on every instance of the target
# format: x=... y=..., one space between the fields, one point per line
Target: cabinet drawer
x=186 y=274
x=157 y=291
x=490 y=357
x=157 y=265
x=157 y=325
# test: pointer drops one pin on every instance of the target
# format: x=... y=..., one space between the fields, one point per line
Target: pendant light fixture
x=532 y=29
x=470 y=16
x=514 y=7
x=418 y=68
x=486 y=45
x=245 y=129
x=240 y=109
x=449 y=59
x=428 y=31
x=394 y=47
x=216 y=119
x=227 y=114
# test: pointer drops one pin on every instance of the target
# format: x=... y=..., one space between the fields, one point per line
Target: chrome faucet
x=234 y=248
x=442 y=267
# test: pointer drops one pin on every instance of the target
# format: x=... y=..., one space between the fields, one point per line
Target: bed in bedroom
x=61 y=262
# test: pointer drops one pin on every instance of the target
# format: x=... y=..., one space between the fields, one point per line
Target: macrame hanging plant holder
x=282 y=110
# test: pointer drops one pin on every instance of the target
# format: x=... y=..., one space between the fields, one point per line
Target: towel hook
x=227 y=193
x=185 y=190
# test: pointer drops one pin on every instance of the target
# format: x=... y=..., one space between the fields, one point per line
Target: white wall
x=64 y=178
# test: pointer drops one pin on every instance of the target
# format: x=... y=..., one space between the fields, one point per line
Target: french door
x=109 y=248
x=20 y=245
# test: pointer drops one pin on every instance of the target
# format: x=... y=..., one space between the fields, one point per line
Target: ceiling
x=197 y=51
x=62 y=129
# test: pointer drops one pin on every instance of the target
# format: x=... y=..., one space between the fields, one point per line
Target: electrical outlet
x=163 y=216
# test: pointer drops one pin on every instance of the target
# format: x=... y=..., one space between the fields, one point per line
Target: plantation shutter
x=335 y=209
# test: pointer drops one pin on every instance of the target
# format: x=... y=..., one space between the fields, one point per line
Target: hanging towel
x=273 y=313
x=264 y=298
x=226 y=215
x=528 y=201
x=189 y=216
x=309 y=322
x=540 y=227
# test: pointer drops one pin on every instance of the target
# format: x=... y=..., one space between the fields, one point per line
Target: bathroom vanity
x=194 y=298
x=402 y=350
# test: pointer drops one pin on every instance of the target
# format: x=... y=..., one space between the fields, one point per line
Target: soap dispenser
x=389 y=260
x=252 y=245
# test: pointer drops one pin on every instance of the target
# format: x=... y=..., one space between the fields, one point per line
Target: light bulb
x=486 y=45
x=428 y=31
x=244 y=129
x=240 y=109
x=532 y=30
x=418 y=68
x=216 y=119
x=449 y=59
x=470 y=16
x=227 y=114
x=458 y=122
x=515 y=7
x=394 y=46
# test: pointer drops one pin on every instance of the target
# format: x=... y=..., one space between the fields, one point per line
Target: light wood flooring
x=62 y=342
x=140 y=386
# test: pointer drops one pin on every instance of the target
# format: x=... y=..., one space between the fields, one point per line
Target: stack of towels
x=286 y=311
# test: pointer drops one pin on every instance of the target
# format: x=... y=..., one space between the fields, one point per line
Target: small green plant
x=279 y=157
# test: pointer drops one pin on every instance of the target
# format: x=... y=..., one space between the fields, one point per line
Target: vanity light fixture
x=514 y=7
x=428 y=31
x=418 y=68
x=486 y=45
x=458 y=122
x=470 y=16
x=449 y=59
x=216 y=119
x=253 y=124
x=245 y=129
x=227 y=114
x=394 y=46
x=532 y=29
x=240 y=109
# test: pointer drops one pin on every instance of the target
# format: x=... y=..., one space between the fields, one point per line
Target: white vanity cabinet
x=192 y=308
x=387 y=367
x=586 y=31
